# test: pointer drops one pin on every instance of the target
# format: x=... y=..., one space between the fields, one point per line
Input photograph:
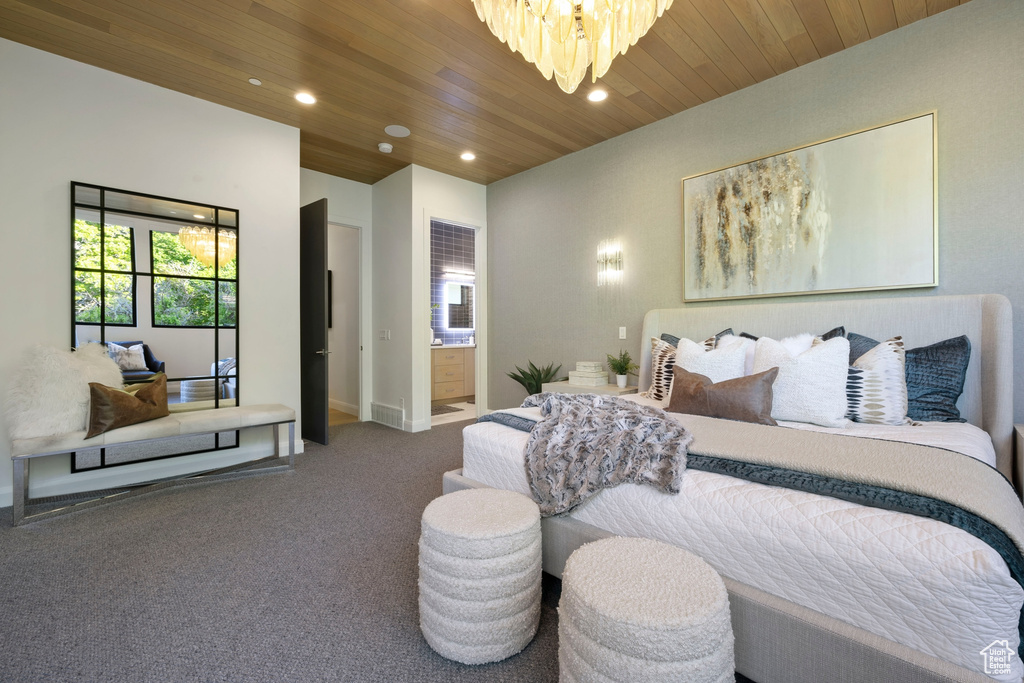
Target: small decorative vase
x=620 y=380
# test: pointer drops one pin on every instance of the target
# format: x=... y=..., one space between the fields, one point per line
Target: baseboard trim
x=349 y=408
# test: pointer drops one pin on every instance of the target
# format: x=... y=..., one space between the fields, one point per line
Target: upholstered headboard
x=986 y=319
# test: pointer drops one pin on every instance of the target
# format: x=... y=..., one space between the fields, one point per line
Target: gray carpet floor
x=305 y=576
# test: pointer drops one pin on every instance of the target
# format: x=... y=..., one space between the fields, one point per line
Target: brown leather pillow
x=110 y=408
x=747 y=399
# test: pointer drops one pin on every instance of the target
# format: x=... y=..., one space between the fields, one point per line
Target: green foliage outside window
x=120 y=305
x=179 y=301
x=171 y=258
x=188 y=301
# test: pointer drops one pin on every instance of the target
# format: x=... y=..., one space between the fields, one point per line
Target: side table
x=605 y=389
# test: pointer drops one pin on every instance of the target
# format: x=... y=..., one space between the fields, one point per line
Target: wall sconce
x=609 y=263
x=455 y=274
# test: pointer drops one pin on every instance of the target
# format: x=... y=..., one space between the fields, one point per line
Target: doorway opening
x=343 y=329
x=317 y=311
x=453 y=322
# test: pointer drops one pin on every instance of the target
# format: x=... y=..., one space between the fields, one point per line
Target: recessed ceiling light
x=597 y=96
x=255 y=81
x=305 y=98
x=396 y=131
x=467 y=156
x=198 y=215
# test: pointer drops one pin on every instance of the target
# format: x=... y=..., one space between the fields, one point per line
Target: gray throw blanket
x=586 y=443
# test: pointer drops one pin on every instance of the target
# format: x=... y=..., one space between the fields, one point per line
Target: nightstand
x=604 y=389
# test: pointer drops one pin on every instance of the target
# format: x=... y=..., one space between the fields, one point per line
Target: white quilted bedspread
x=915 y=581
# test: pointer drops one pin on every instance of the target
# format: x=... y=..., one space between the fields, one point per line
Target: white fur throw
x=49 y=394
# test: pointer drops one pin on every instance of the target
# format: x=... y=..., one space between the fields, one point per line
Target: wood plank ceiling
x=432 y=66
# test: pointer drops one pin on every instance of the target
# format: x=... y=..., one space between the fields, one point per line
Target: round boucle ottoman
x=633 y=609
x=480 y=574
x=198 y=390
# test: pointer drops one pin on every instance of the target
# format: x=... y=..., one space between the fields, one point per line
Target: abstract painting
x=852 y=213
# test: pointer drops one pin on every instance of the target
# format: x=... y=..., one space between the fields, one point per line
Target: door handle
x=323 y=352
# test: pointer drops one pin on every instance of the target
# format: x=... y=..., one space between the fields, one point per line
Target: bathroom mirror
x=459 y=304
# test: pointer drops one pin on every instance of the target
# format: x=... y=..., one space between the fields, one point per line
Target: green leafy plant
x=534 y=377
x=622 y=364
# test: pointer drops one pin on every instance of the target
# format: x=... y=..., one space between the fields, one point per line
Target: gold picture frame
x=856 y=212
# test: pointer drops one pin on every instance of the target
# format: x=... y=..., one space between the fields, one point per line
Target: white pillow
x=748 y=350
x=721 y=363
x=876 y=387
x=129 y=359
x=811 y=386
x=795 y=345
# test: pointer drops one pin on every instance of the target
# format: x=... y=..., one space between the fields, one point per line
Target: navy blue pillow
x=859 y=345
x=674 y=340
x=935 y=376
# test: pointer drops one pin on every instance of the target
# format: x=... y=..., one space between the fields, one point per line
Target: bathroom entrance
x=453 y=321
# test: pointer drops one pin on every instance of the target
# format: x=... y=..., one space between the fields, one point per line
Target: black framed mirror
x=155 y=279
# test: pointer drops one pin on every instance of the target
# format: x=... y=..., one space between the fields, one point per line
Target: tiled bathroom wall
x=452 y=259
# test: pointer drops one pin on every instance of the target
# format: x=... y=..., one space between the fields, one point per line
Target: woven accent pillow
x=876 y=386
x=111 y=408
x=811 y=386
x=747 y=399
x=663 y=359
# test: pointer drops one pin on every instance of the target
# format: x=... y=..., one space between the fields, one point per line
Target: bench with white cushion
x=196 y=423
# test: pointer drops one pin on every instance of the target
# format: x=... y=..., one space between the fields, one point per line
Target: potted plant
x=623 y=366
x=533 y=378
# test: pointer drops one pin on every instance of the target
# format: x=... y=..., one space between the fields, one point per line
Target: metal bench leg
x=277 y=440
x=20 y=491
x=291 y=444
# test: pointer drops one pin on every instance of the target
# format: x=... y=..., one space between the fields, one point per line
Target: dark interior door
x=313 y=325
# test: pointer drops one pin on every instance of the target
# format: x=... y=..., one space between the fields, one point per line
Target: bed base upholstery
x=777 y=641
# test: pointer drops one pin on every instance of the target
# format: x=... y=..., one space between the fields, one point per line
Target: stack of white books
x=589 y=374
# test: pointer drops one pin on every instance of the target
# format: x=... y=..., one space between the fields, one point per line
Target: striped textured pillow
x=876 y=386
x=663 y=359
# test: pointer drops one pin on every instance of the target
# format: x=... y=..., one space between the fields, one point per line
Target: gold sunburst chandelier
x=200 y=241
x=563 y=37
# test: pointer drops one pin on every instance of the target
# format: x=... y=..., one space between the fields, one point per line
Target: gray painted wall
x=966 y=63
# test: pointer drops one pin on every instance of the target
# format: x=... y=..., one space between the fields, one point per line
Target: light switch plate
x=622 y=333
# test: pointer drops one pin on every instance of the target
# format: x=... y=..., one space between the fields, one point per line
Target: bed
x=870 y=597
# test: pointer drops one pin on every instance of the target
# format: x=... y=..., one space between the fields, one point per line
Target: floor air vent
x=387 y=415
